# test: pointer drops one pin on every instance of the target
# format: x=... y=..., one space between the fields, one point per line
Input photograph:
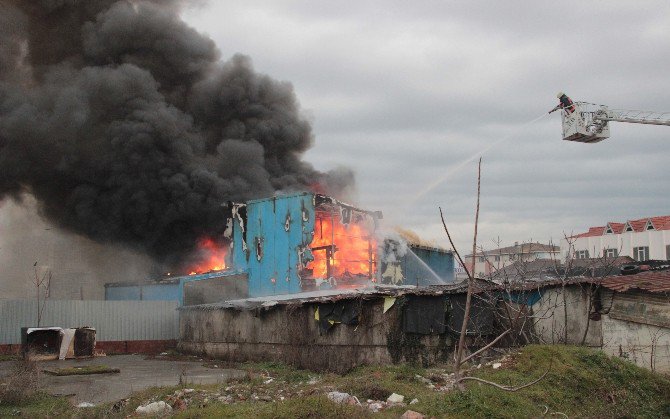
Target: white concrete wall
x=624 y=243
x=491 y=265
x=549 y=317
x=646 y=345
x=637 y=326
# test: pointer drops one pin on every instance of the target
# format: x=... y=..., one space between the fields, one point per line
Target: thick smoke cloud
x=124 y=124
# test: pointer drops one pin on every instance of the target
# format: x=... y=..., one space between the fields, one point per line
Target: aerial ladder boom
x=589 y=122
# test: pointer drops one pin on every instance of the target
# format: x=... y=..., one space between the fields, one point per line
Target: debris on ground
x=85 y=404
x=375 y=406
x=345 y=398
x=155 y=408
x=395 y=398
x=118 y=406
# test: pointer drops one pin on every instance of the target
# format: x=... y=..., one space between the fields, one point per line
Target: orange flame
x=354 y=248
x=212 y=257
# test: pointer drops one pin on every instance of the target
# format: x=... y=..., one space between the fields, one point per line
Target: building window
x=609 y=230
x=482 y=259
x=611 y=253
x=667 y=252
x=497 y=257
x=641 y=253
x=649 y=226
x=628 y=227
x=582 y=254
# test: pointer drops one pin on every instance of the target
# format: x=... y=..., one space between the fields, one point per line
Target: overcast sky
x=407 y=93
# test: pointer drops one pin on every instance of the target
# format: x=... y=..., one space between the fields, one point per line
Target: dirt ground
x=137 y=373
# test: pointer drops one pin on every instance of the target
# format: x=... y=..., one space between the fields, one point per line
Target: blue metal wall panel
x=276 y=271
x=281 y=250
x=437 y=266
x=241 y=253
x=301 y=236
x=266 y=235
x=161 y=292
x=253 y=235
x=173 y=291
x=131 y=292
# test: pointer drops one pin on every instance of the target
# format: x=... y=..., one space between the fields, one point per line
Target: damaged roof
x=522 y=248
x=655 y=281
x=326 y=296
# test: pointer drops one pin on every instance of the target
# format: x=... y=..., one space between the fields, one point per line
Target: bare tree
x=42 y=283
x=460 y=359
x=468 y=298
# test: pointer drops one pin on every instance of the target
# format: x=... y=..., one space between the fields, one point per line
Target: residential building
x=489 y=262
x=642 y=239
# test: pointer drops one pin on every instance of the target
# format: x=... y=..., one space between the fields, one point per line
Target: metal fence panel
x=113 y=320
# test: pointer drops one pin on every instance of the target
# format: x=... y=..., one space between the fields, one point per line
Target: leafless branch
x=468 y=298
x=507 y=388
x=493 y=342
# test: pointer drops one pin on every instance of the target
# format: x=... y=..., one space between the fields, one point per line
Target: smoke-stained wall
x=126 y=127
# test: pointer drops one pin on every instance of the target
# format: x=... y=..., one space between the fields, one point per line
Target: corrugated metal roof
x=326 y=296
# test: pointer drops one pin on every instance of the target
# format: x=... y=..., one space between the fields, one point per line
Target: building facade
x=642 y=239
x=488 y=262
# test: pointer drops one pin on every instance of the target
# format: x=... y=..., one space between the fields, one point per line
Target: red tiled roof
x=593 y=231
x=617 y=228
x=660 y=223
x=652 y=281
x=638 y=225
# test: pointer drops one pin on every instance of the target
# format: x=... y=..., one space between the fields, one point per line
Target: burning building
x=306 y=242
x=298 y=243
x=303 y=242
x=326 y=289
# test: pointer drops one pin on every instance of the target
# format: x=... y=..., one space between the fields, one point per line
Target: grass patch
x=581 y=383
x=276 y=369
x=38 y=405
x=85 y=370
x=305 y=407
x=377 y=383
x=6 y=358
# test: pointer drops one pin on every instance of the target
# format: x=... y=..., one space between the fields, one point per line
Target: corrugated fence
x=113 y=320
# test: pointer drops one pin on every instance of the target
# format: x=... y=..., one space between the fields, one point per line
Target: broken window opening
x=259 y=248
x=345 y=252
x=287 y=224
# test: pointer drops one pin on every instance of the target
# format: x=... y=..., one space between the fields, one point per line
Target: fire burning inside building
x=342 y=247
x=210 y=255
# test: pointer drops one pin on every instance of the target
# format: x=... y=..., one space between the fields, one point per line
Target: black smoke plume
x=127 y=127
